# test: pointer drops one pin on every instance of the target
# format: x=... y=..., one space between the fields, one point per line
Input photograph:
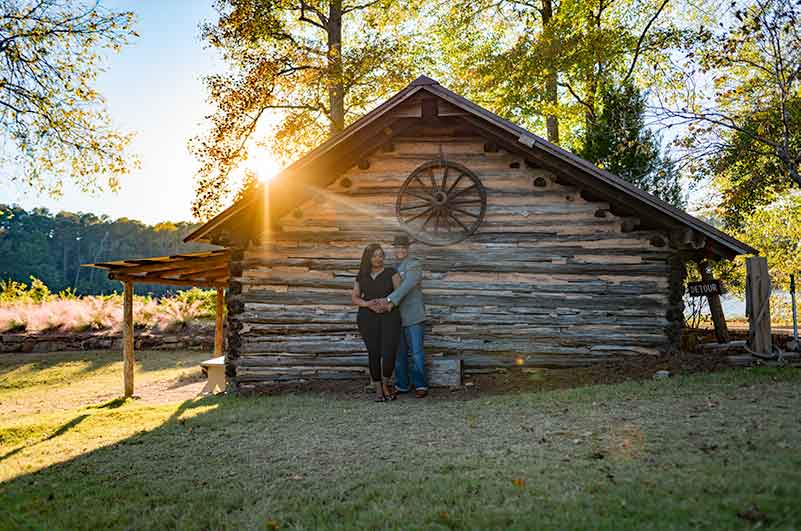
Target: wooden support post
x=757 y=305
x=128 y=338
x=715 y=307
x=218 y=328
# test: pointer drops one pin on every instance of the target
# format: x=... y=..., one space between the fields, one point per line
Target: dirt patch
x=527 y=380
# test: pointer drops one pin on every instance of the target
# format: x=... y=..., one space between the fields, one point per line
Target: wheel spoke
x=424 y=197
x=433 y=180
x=463 y=190
x=445 y=176
x=423 y=227
x=454 y=218
x=419 y=180
x=421 y=214
x=415 y=207
x=459 y=178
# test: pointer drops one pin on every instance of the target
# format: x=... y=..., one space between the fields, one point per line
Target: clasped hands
x=380 y=305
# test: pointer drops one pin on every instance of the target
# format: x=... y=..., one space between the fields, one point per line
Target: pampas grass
x=102 y=313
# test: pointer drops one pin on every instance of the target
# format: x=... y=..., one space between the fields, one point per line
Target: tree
x=542 y=62
x=776 y=232
x=746 y=136
x=52 y=120
x=314 y=65
x=618 y=141
x=52 y=247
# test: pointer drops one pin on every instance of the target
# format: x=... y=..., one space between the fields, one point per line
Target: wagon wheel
x=441 y=203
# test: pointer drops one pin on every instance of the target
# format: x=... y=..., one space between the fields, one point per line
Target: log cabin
x=533 y=256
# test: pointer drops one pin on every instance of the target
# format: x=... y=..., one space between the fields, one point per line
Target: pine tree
x=618 y=141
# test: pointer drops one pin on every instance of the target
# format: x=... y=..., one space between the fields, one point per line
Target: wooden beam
x=715 y=307
x=128 y=339
x=218 y=326
x=168 y=281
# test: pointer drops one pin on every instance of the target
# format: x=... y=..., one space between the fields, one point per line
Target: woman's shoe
x=421 y=393
x=389 y=392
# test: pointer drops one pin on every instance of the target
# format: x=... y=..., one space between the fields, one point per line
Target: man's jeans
x=411 y=340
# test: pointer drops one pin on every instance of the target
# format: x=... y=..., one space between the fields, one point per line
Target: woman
x=380 y=328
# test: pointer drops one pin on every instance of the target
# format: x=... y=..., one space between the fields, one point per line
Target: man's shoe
x=421 y=393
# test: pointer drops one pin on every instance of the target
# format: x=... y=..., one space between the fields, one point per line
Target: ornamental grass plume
x=36 y=310
x=175 y=313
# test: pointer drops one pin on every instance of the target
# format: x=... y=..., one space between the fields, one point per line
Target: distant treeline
x=52 y=247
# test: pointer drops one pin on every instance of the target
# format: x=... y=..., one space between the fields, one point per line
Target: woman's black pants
x=381 y=334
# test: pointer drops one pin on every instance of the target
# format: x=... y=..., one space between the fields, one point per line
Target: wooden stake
x=128 y=339
x=715 y=307
x=218 y=329
x=757 y=305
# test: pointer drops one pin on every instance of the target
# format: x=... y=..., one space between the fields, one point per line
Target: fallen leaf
x=753 y=515
x=519 y=483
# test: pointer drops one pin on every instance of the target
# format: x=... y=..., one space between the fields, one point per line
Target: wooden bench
x=215 y=370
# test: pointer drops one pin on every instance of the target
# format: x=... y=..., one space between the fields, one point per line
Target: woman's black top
x=376 y=288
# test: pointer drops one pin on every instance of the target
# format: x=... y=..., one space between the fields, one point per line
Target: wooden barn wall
x=549 y=279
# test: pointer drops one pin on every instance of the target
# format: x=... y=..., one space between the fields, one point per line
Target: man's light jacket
x=409 y=295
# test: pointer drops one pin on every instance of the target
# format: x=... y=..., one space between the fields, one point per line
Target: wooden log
x=218 y=325
x=542 y=301
x=445 y=372
x=757 y=299
x=128 y=339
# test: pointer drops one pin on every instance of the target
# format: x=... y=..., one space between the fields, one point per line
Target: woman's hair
x=366 y=265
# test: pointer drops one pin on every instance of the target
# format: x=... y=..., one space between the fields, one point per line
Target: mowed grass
x=710 y=451
x=41 y=383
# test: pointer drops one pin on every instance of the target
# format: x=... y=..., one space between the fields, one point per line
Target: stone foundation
x=48 y=342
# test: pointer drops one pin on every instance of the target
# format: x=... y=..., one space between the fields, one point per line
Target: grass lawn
x=713 y=451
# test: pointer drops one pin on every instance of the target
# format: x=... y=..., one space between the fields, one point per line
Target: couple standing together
x=391 y=319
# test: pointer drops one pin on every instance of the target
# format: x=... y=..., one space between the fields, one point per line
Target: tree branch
x=642 y=38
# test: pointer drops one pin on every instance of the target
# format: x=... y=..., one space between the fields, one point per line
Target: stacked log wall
x=549 y=279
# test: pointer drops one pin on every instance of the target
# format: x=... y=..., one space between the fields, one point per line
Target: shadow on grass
x=60 y=431
x=146 y=360
x=115 y=486
x=114 y=403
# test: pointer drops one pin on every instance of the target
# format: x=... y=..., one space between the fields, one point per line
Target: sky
x=154 y=89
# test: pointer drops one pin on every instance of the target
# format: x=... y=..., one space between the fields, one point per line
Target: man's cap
x=401 y=240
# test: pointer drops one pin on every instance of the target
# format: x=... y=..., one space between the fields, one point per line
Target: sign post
x=795 y=310
x=711 y=288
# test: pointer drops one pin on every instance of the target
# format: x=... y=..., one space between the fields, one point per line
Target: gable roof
x=510 y=136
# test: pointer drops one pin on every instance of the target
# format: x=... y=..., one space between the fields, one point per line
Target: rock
x=661 y=374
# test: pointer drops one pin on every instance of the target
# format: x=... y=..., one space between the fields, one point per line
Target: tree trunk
x=594 y=76
x=551 y=79
x=336 y=89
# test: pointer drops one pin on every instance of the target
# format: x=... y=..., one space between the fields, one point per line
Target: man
x=409 y=297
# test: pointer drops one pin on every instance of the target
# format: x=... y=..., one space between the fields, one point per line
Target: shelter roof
x=202 y=269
